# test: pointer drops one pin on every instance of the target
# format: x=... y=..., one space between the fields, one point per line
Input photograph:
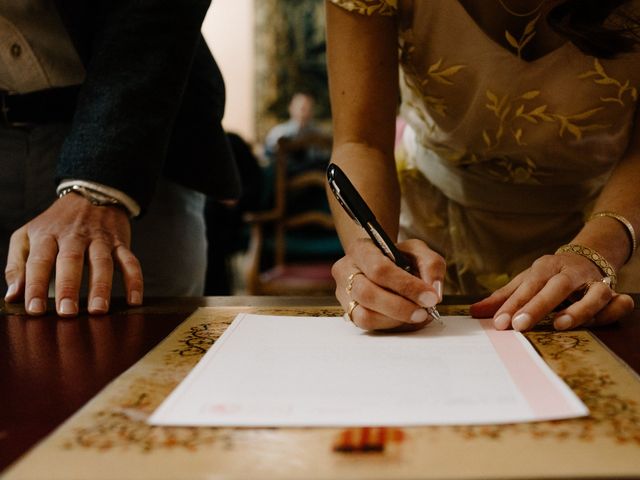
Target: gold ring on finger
x=352 y=306
x=608 y=281
x=350 y=278
x=586 y=286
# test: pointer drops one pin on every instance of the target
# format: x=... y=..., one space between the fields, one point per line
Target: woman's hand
x=385 y=296
x=551 y=280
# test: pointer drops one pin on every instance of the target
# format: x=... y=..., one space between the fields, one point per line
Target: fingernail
x=419 y=316
x=563 y=322
x=99 y=304
x=521 y=322
x=135 y=298
x=437 y=285
x=427 y=299
x=502 y=321
x=36 y=305
x=68 y=307
x=11 y=291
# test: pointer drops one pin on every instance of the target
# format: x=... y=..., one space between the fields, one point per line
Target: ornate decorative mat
x=109 y=438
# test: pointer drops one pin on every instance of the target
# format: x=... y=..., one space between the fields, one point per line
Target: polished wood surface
x=50 y=367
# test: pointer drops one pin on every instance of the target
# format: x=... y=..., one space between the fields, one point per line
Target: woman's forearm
x=374 y=176
x=621 y=196
x=605 y=234
x=362 y=61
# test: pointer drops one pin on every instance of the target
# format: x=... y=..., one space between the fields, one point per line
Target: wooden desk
x=50 y=367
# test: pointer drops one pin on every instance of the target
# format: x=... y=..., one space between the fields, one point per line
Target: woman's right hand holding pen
x=379 y=295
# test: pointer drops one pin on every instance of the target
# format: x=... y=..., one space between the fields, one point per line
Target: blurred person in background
x=301 y=125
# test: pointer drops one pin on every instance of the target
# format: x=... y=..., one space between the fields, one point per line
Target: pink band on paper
x=526 y=375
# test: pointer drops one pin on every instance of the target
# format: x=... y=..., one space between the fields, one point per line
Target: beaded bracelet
x=626 y=223
x=593 y=256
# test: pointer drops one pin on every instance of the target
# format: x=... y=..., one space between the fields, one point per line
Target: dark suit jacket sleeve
x=200 y=155
x=139 y=62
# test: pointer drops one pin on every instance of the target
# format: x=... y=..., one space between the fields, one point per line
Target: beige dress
x=502 y=157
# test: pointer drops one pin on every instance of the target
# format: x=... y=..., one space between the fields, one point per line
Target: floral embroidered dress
x=502 y=157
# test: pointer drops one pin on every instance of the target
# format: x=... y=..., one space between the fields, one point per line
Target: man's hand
x=62 y=235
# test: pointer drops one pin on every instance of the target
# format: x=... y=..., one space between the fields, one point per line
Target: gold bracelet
x=626 y=223
x=593 y=256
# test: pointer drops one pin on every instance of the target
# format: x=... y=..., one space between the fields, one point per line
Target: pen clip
x=385 y=244
x=336 y=192
x=377 y=238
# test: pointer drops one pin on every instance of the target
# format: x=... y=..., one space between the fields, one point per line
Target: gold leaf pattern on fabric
x=600 y=77
x=526 y=37
x=437 y=72
x=515 y=115
x=369 y=7
x=508 y=111
x=441 y=76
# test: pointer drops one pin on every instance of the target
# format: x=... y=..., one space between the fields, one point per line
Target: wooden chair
x=291 y=250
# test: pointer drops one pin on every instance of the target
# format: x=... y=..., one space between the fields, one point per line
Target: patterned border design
x=121 y=424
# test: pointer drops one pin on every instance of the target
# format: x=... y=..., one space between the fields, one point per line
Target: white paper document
x=322 y=371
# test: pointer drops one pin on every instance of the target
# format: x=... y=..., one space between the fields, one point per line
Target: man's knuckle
x=101 y=259
x=48 y=238
x=38 y=262
x=101 y=285
x=71 y=255
x=75 y=237
x=101 y=245
x=12 y=270
x=36 y=287
x=66 y=287
x=131 y=263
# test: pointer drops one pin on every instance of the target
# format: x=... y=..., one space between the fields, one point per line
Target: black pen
x=359 y=211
